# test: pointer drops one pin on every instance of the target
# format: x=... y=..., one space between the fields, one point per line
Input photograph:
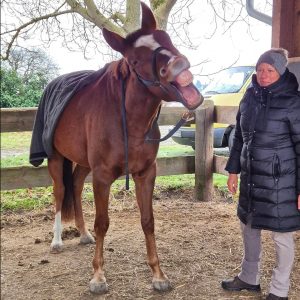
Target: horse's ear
x=114 y=40
x=148 y=20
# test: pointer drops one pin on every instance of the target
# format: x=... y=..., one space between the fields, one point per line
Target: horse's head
x=156 y=62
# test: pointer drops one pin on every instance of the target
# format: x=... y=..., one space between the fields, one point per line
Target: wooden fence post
x=204 y=118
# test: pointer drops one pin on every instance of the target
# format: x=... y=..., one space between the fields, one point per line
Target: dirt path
x=199 y=245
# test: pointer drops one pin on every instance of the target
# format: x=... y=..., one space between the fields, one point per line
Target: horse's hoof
x=161 y=285
x=98 y=287
x=56 y=248
x=87 y=239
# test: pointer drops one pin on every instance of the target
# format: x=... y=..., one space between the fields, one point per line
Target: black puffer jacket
x=266 y=151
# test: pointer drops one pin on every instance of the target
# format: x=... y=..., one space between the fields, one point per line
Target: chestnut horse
x=89 y=136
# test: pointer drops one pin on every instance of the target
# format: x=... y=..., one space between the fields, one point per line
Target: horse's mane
x=119 y=69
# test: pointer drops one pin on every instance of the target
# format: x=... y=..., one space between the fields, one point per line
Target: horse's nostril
x=181 y=63
x=162 y=72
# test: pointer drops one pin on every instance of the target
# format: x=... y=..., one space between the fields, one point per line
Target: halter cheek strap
x=155 y=81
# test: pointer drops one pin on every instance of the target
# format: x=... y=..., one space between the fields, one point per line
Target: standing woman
x=266 y=153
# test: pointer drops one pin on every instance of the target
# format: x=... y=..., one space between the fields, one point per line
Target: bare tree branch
x=162 y=10
x=32 y=22
x=216 y=72
x=77 y=24
x=132 y=20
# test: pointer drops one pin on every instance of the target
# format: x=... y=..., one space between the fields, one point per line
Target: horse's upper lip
x=189 y=94
x=179 y=65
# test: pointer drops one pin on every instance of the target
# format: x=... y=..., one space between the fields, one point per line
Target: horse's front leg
x=101 y=193
x=144 y=184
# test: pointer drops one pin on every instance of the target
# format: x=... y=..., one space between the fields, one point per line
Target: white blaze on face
x=149 y=42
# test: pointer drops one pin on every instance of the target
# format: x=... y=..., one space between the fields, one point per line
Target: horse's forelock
x=162 y=38
x=135 y=35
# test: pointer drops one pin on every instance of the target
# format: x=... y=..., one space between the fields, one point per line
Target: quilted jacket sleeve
x=233 y=165
x=294 y=121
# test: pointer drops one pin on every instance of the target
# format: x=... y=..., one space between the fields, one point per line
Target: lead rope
x=125 y=133
x=186 y=117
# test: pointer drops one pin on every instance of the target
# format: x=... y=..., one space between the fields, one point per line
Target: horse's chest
x=141 y=157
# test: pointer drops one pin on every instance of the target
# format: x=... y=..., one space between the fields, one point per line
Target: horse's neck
x=141 y=105
x=141 y=110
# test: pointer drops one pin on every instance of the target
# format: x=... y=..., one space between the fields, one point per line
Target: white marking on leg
x=57 y=230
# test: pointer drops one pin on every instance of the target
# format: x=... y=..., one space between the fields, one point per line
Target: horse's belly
x=70 y=141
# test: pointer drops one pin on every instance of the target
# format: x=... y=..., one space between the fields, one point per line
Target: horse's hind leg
x=79 y=176
x=144 y=185
x=55 y=167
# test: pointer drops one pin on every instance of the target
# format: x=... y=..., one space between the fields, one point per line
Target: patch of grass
x=20 y=141
x=15 y=140
x=220 y=181
x=173 y=182
x=25 y=199
x=15 y=161
x=174 y=150
x=30 y=199
x=21 y=160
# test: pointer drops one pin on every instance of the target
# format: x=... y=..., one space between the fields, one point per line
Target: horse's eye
x=135 y=62
x=162 y=72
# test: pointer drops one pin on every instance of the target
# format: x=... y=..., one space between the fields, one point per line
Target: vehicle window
x=229 y=81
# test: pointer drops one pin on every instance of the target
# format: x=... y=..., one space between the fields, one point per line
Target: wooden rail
x=203 y=164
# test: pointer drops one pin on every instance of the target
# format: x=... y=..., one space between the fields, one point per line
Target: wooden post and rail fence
x=204 y=163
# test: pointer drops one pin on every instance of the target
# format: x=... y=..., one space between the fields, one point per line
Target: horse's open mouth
x=191 y=97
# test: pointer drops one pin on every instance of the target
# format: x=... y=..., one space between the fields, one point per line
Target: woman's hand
x=232 y=183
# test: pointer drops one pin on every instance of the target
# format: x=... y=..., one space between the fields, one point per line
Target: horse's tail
x=67 y=210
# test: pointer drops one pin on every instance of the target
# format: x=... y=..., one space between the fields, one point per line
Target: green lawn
x=17 y=160
x=39 y=197
x=15 y=140
x=20 y=141
x=175 y=150
x=30 y=199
